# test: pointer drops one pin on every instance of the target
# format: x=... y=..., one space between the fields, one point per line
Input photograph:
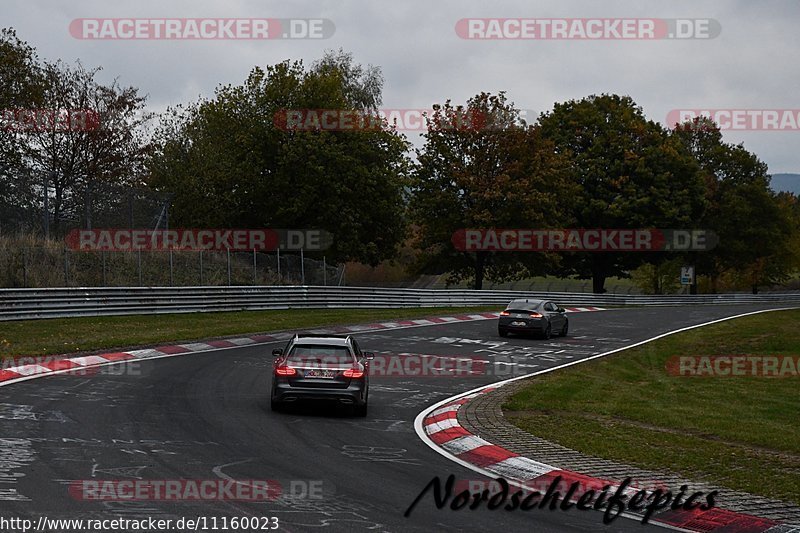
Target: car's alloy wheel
x=548 y=332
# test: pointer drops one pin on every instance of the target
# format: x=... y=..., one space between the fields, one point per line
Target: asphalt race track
x=207 y=416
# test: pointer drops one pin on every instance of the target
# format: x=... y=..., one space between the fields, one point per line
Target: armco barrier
x=21 y=304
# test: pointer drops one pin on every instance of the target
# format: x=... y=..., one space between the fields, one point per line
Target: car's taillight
x=504 y=313
x=285 y=371
x=353 y=373
x=536 y=315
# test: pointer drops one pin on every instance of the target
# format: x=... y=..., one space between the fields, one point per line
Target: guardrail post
x=324 y=272
x=229 y=265
x=278 y=251
x=66 y=268
x=170 y=268
x=139 y=264
x=255 y=267
x=103 y=254
x=201 y=267
x=24 y=267
x=302 y=268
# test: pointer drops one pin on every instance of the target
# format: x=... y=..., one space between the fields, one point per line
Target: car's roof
x=330 y=340
x=528 y=303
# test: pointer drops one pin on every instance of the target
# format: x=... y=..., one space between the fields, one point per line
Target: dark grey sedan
x=321 y=367
x=533 y=317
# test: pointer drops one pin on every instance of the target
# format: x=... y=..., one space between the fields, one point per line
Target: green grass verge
x=737 y=432
x=70 y=335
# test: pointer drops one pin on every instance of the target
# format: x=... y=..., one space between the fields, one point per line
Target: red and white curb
x=439 y=428
x=46 y=365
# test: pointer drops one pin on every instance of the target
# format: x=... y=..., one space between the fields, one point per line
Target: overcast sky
x=752 y=64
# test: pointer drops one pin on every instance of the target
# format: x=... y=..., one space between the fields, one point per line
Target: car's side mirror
x=369 y=356
x=277 y=352
x=561 y=310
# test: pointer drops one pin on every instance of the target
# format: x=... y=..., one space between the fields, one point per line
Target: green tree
x=659 y=278
x=630 y=172
x=482 y=167
x=753 y=226
x=20 y=88
x=104 y=142
x=107 y=143
x=230 y=161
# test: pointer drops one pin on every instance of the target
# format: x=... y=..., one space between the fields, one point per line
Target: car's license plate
x=518 y=324
x=325 y=374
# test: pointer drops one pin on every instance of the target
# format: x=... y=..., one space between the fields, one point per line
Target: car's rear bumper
x=531 y=326
x=353 y=394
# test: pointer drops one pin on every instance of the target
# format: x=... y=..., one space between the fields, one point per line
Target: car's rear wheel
x=564 y=330
x=360 y=409
x=548 y=332
x=502 y=332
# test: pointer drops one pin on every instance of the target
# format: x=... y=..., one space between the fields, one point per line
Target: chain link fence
x=26 y=209
x=53 y=265
x=33 y=253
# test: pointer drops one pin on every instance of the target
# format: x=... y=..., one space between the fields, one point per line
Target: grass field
x=737 y=432
x=70 y=335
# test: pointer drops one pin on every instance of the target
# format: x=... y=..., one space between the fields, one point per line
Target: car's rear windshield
x=522 y=304
x=523 y=308
x=320 y=355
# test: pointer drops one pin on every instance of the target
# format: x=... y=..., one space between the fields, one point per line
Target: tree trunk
x=480 y=267
x=56 y=208
x=598 y=276
x=598 y=283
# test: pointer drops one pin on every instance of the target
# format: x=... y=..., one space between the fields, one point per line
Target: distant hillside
x=786 y=182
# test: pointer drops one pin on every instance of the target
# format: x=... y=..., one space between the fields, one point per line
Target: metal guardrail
x=23 y=304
